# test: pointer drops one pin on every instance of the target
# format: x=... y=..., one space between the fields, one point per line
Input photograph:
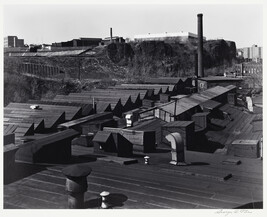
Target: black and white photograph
x=137 y=106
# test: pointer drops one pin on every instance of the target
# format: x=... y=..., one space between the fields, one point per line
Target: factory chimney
x=196 y=64
x=111 y=40
x=200 y=46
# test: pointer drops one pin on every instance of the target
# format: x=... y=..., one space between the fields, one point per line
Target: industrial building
x=136 y=146
x=82 y=42
x=248 y=69
x=170 y=37
x=43 y=138
x=114 y=39
x=205 y=83
x=13 y=41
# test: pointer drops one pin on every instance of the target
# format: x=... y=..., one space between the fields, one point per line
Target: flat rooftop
x=205 y=183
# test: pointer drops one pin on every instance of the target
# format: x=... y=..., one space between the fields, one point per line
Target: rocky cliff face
x=219 y=52
x=155 y=58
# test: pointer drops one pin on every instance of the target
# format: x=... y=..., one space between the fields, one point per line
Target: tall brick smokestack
x=196 y=64
x=111 y=40
x=200 y=46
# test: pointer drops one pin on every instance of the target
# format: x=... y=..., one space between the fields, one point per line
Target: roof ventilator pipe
x=104 y=196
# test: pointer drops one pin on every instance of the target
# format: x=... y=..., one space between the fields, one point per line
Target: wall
x=246 y=69
x=202 y=85
x=187 y=132
x=40 y=70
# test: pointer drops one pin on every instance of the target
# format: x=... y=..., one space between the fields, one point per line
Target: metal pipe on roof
x=200 y=46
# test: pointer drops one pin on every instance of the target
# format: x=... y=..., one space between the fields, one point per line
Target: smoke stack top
x=111 y=40
x=200 y=46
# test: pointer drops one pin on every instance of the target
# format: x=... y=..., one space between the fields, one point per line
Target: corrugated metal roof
x=199 y=98
x=257 y=99
x=181 y=107
x=178 y=123
x=239 y=127
x=50 y=53
x=194 y=100
x=101 y=136
x=214 y=92
x=219 y=78
x=103 y=106
x=164 y=80
x=258 y=117
x=156 y=87
x=114 y=90
x=231 y=87
x=210 y=104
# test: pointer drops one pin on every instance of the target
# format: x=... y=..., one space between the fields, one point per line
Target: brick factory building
x=248 y=68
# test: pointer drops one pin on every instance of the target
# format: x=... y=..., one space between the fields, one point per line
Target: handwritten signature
x=232 y=212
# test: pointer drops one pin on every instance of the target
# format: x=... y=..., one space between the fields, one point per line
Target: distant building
x=115 y=39
x=253 y=53
x=82 y=42
x=43 y=47
x=13 y=41
x=178 y=36
x=46 y=46
x=34 y=47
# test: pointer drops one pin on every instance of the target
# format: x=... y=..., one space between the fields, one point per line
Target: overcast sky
x=54 y=23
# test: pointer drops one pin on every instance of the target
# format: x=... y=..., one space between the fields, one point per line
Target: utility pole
x=175 y=105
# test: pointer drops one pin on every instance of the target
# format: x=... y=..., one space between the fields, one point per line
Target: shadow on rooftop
x=22 y=170
x=158 y=150
x=215 y=127
x=82 y=159
x=114 y=200
x=161 y=150
x=202 y=144
x=218 y=114
x=94 y=203
x=78 y=159
x=197 y=164
x=117 y=200
x=253 y=205
x=88 y=157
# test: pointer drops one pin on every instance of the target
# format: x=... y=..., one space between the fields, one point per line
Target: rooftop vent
x=35 y=107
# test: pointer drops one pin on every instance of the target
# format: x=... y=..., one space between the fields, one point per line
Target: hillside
x=122 y=61
x=156 y=58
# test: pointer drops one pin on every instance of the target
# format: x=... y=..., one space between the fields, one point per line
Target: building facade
x=13 y=41
x=248 y=69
